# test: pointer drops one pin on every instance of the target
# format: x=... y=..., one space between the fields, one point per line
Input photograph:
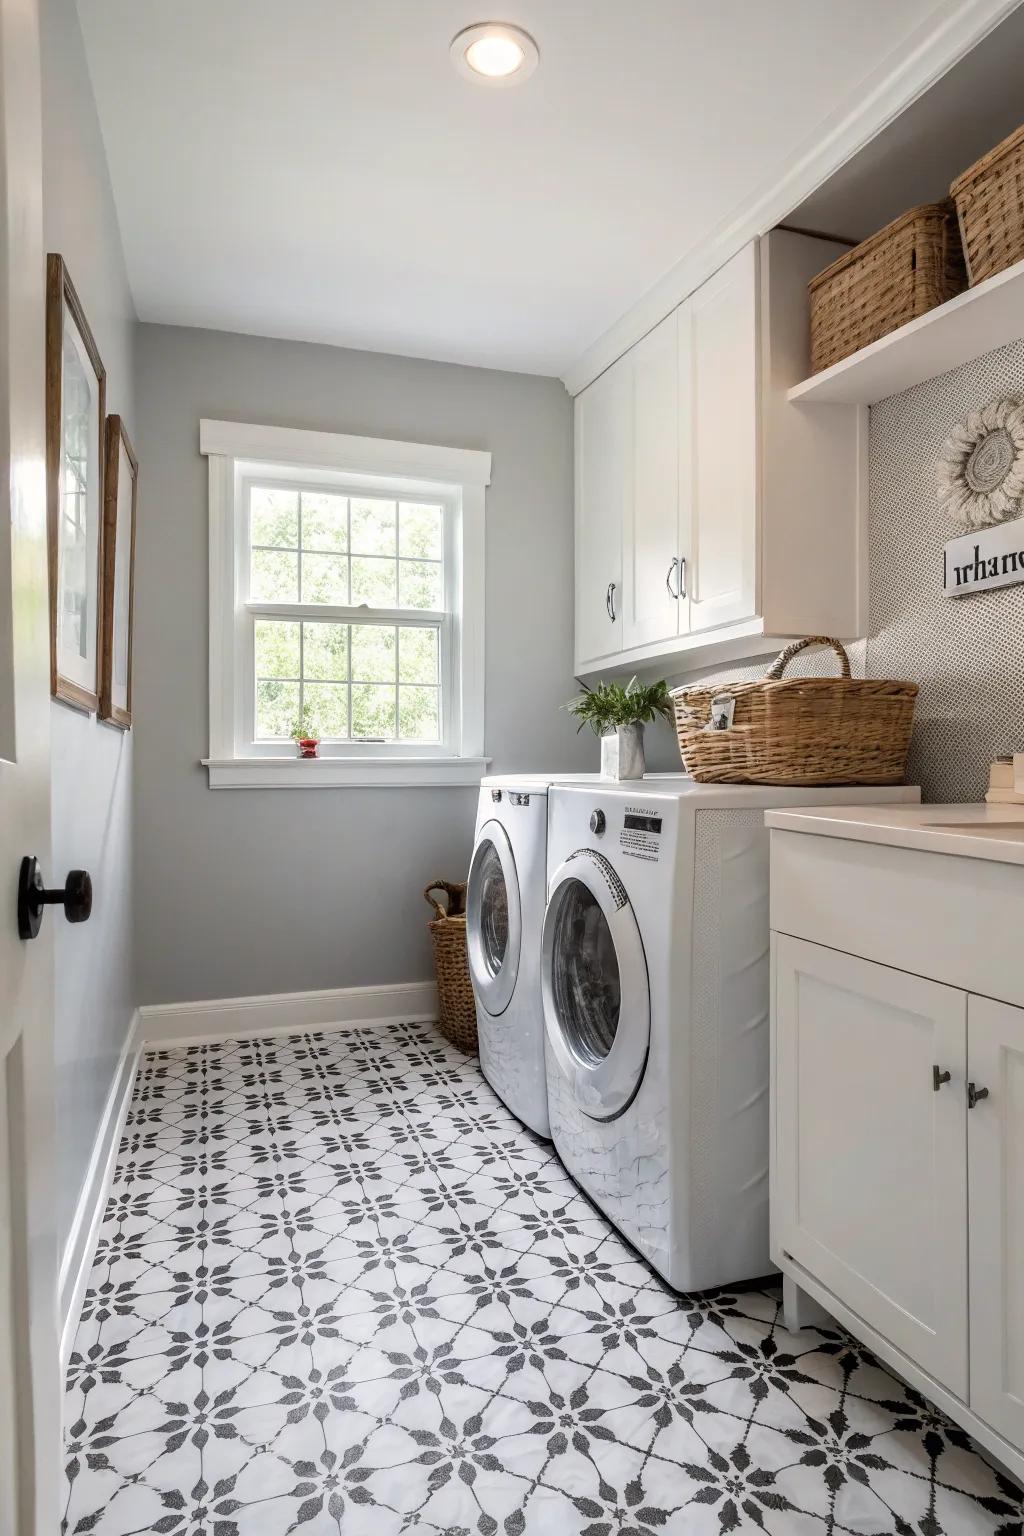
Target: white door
x=594 y=984
x=870 y=1172
x=995 y=1149
x=718 y=346
x=30 y=1441
x=603 y=457
x=650 y=533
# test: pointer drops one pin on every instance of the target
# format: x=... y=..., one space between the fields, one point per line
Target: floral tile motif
x=339 y=1289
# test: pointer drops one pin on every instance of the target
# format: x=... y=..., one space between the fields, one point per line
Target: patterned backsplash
x=967 y=654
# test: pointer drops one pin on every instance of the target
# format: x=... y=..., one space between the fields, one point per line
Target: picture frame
x=120 y=506
x=75 y=442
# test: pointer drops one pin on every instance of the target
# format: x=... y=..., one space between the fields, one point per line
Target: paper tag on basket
x=723 y=707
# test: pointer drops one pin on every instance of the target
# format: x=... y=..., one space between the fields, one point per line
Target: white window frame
x=456 y=478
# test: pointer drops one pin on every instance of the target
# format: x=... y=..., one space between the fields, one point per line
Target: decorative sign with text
x=982 y=560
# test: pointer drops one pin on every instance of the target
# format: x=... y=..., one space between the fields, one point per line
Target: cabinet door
x=603 y=458
x=650 y=543
x=870 y=1159
x=995 y=1147
x=722 y=473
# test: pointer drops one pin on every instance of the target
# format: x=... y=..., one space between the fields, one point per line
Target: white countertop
x=994 y=832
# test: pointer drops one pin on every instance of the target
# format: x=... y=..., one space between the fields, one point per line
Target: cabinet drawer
x=954 y=919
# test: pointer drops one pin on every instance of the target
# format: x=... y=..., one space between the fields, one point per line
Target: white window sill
x=345 y=773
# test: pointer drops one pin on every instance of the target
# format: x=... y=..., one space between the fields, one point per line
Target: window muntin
x=347 y=602
x=347 y=682
x=314 y=546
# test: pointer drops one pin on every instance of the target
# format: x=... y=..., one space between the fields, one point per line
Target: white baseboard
x=285 y=1012
x=80 y=1248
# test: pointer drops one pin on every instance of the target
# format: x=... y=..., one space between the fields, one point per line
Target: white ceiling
x=317 y=169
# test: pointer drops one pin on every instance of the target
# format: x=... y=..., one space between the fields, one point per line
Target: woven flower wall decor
x=981 y=471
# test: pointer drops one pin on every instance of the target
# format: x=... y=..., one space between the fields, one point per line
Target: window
x=346 y=603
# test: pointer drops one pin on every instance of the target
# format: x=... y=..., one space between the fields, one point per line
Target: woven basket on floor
x=989 y=199
x=456 y=1003
x=801 y=730
x=903 y=271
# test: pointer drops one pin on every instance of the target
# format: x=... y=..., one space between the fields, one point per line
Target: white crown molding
x=337 y=450
x=950 y=33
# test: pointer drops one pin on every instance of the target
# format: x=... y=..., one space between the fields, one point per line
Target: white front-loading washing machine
x=504 y=912
x=655 y=979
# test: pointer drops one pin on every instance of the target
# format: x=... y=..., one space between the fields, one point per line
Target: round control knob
x=597 y=823
x=495 y=795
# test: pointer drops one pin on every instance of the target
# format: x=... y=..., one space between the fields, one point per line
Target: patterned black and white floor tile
x=340 y=1290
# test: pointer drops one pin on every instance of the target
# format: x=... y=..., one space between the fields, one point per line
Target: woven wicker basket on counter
x=800 y=730
x=989 y=199
x=903 y=271
x=456 y=1003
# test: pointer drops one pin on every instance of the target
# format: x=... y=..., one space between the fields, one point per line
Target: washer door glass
x=493 y=919
x=597 y=1009
x=586 y=978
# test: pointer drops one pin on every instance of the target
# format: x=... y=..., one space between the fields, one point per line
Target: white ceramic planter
x=622 y=754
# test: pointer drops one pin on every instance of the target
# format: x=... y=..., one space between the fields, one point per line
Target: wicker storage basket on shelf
x=989 y=199
x=456 y=1003
x=905 y=270
x=800 y=730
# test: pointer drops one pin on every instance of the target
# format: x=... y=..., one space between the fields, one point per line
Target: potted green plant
x=618 y=715
x=303 y=737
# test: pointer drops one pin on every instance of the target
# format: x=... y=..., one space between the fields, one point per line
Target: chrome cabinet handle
x=939 y=1077
x=609 y=601
x=673 y=570
x=974 y=1094
x=681 y=583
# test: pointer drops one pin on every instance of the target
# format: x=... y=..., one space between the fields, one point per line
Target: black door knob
x=75 y=896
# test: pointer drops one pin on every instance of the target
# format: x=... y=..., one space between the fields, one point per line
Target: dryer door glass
x=493 y=910
x=585 y=975
x=494 y=919
x=594 y=984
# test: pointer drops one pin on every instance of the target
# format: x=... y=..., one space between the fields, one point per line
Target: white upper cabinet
x=711 y=512
x=718 y=353
x=603 y=443
x=650 y=530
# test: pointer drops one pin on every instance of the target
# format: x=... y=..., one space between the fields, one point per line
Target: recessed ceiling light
x=494 y=52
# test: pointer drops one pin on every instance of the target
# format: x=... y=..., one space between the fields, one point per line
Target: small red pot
x=307 y=745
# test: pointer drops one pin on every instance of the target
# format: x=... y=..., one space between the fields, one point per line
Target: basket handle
x=783 y=660
x=456 y=893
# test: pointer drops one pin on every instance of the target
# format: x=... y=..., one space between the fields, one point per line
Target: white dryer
x=504 y=912
x=655 y=982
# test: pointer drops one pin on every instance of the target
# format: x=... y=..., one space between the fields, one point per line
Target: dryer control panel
x=640 y=837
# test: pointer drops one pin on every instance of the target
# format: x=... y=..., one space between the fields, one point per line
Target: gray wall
x=967 y=654
x=261 y=891
x=92 y=763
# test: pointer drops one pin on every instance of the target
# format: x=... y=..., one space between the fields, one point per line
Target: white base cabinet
x=711 y=513
x=995 y=1061
x=897 y=1162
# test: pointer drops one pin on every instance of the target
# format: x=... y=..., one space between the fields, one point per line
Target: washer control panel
x=640 y=837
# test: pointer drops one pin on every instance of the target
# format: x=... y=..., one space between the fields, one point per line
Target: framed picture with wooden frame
x=120 y=503
x=75 y=428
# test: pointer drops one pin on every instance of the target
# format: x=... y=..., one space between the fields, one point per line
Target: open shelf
x=957 y=332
